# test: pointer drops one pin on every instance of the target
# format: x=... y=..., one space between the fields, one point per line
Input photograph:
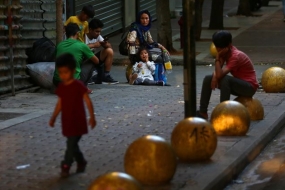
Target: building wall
x=31 y=20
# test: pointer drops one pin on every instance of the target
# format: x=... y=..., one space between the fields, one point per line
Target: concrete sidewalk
x=253 y=35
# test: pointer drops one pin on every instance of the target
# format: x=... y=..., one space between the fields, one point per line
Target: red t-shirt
x=241 y=67
x=73 y=117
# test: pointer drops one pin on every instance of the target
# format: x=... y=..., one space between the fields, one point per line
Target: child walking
x=71 y=93
x=143 y=71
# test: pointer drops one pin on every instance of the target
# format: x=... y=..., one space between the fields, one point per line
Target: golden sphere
x=151 y=160
x=194 y=139
x=115 y=181
x=253 y=106
x=230 y=118
x=273 y=80
x=213 y=50
x=129 y=71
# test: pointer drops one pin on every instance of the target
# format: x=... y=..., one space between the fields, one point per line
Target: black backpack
x=43 y=50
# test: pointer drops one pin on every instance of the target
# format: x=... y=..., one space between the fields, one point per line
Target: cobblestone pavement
x=124 y=113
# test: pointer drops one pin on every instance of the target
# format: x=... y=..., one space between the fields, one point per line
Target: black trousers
x=72 y=151
x=228 y=85
x=87 y=68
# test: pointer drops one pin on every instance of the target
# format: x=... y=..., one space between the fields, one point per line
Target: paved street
x=267 y=171
x=124 y=113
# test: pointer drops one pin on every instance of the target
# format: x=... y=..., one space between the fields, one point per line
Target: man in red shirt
x=229 y=59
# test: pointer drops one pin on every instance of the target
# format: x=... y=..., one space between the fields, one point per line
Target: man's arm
x=221 y=71
x=105 y=44
x=94 y=45
x=94 y=59
x=89 y=54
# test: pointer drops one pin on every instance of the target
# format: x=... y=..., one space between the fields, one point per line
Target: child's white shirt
x=145 y=71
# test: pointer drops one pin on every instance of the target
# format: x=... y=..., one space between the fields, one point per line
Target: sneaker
x=132 y=78
x=98 y=82
x=90 y=82
x=160 y=83
x=109 y=80
x=64 y=171
x=89 y=91
x=81 y=167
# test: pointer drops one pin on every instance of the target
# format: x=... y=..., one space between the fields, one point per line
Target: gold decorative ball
x=273 y=80
x=213 y=50
x=253 y=106
x=129 y=71
x=115 y=181
x=194 y=139
x=151 y=160
x=230 y=118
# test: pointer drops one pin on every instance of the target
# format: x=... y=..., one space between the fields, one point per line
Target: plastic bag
x=42 y=73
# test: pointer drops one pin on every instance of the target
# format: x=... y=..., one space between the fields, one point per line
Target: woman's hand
x=163 y=49
x=166 y=51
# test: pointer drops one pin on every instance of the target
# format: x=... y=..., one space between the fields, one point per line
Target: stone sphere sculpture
x=151 y=160
x=230 y=118
x=253 y=106
x=115 y=181
x=213 y=50
x=273 y=80
x=194 y=139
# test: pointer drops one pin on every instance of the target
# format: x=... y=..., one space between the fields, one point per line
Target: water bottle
x=132 y=48
x=167 y=62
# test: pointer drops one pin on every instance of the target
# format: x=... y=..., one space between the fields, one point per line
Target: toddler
x=143 y=71
x=71 y=93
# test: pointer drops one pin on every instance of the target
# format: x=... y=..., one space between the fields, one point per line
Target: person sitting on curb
x=229 y=59
x=94 y=40
x=83 y=71
x=143 y=70
x=81 y=20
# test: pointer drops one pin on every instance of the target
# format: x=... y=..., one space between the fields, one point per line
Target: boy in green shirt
x=79 y=50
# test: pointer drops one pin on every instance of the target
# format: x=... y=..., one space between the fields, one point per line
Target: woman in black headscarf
x=139 y=34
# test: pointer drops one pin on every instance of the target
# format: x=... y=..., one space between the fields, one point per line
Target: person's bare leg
x=107 y=56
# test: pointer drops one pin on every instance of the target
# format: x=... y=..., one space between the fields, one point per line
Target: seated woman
x=143 y=70
x=139 y=35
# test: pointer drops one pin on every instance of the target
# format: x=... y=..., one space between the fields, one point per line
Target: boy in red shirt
x=71 y=94
x=229 y=59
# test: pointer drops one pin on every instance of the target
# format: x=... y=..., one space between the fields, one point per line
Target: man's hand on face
x=223 y=52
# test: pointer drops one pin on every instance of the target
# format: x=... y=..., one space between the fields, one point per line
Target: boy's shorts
x=98 y=56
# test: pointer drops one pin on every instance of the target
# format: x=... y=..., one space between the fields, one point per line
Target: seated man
x=94 y=40
x=79 y=50
x=243 y=81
